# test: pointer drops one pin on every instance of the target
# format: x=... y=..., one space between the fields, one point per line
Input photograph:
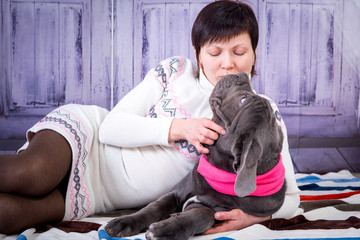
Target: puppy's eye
x=243 y=99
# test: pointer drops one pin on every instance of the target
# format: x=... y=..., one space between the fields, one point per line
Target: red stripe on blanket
x=71 y=226
x=300 y=222
x=328 y=196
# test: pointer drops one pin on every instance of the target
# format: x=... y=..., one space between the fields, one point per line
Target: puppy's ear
x=215 y=103
x=245 y=165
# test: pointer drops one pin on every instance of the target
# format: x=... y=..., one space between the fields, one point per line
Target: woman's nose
x=227 y=61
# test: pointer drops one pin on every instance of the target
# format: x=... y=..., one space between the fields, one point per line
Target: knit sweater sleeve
x=291 y=203
x=127 y=125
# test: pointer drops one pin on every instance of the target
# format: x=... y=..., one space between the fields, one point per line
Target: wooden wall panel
x=23 y=42
x=101 y=47
x=300 y=53
x=124 y=49
x=2 y=62
x=302 y=65
x=149 y=39
x=46 y=29
x=299 y=76
x=47 y=59
x=165 y=32
x=49 y=42
x=177 y=28
x=55 y=52
x=323 y=55
x=350 y=84
x=74 y=78
x=71 y=53
x=276 y=74
x=49 y=65
x=4 y=55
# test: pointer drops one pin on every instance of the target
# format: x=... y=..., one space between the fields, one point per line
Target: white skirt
x=79 y=124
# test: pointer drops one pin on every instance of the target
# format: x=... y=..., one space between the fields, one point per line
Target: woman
x=80 y=160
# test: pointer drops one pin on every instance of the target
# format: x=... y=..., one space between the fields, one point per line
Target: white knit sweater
x=139 y=163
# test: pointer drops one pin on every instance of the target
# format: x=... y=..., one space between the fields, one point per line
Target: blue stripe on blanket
x=223 y=238
x=313 y=179
x=315 y=187
x=28 y=234
x=21 y=237
x=103 y=235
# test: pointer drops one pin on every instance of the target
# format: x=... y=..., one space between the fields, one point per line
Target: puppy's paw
x=164 y=230
x=124 y=226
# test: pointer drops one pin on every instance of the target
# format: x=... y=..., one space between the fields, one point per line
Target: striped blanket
x=331 y=204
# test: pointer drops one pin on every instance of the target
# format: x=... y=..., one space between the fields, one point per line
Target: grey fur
x=249 y=148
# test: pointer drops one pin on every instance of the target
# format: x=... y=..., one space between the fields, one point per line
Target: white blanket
x=332 y=211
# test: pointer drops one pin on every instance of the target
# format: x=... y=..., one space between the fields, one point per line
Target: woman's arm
x=234 y=220
x=127 y=125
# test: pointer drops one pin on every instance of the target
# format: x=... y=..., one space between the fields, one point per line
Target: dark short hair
x=221 y=21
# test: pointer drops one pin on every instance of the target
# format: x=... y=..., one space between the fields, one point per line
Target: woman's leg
x=18 y=213
x=37 y=170
x=29 y=182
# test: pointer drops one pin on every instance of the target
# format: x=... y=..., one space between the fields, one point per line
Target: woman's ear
x=198 y=60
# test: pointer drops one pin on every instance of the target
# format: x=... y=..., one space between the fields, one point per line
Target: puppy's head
x=253 y=135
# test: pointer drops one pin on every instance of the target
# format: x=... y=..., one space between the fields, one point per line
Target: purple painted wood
x=92 y=52
x=301 y=61
x=48 y=63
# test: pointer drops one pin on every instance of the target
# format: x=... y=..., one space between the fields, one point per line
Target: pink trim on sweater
x=224 y=182
x=83 y=154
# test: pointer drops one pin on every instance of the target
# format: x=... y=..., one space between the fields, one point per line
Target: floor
x=325 y=154
x=308 y=156
x=322 y=160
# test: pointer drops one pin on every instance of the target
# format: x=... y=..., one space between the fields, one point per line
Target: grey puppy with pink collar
x=243 y=170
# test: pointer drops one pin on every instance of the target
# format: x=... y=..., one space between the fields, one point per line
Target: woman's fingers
x=205 y=132
x=210 y=131
x=201 y=148
x=234 y=220
x=209 y=124
x=197 y=131
x=205 y=140
x=231 y=220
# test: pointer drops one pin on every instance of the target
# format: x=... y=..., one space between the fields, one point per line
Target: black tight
x=29 y=183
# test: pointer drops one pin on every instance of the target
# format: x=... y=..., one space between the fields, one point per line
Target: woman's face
x=218 y=59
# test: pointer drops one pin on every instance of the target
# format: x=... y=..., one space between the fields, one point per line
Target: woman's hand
x=234 y=220
x=197 y=131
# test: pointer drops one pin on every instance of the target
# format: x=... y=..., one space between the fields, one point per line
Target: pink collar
x=224 y=182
